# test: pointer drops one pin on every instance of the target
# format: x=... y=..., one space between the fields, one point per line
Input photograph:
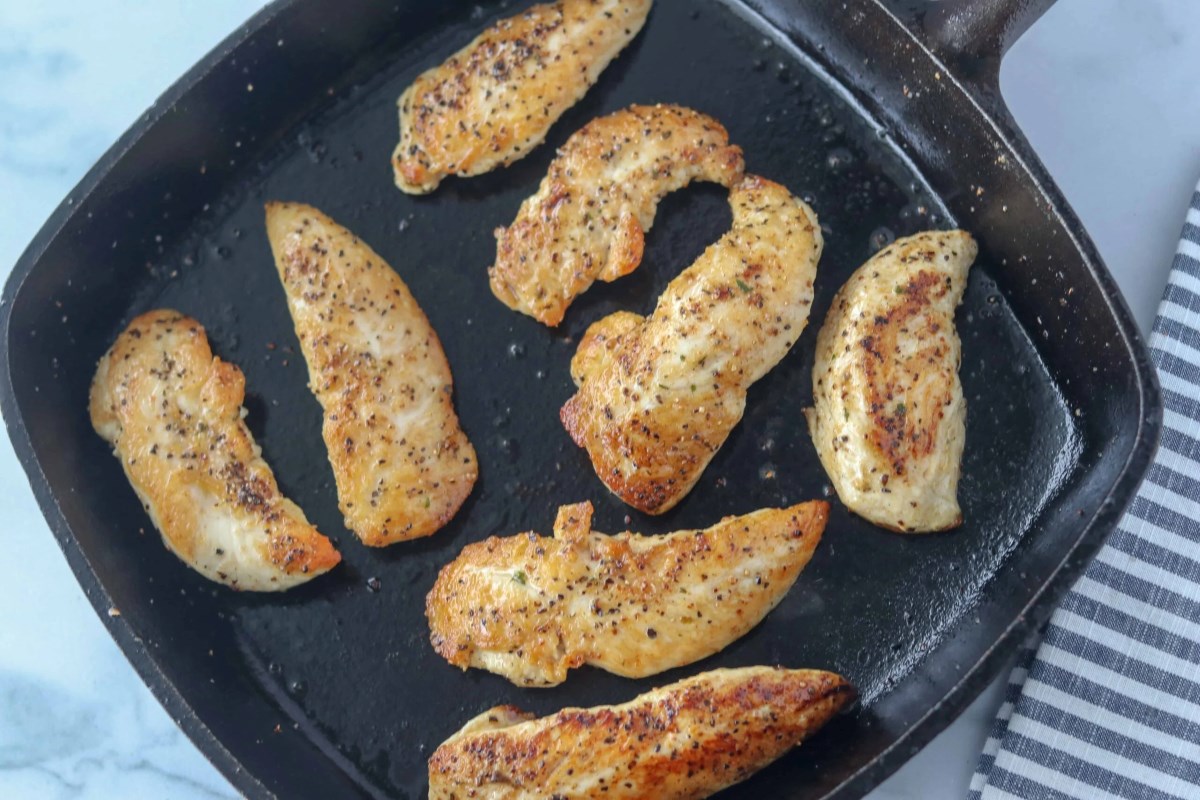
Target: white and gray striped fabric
x=1107 y=705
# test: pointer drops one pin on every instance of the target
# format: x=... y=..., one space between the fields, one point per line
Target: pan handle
x=973 y=35
x=981 y=29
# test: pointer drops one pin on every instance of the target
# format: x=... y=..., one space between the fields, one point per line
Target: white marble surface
x=1107 y=90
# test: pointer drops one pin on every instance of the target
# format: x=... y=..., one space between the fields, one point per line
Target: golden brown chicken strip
x=402 y=464
x=658 y=395
x=529 y=607
x=173 y=414
x=889 y=420
x=684 y=741
x=590 y=215
x=493 y=101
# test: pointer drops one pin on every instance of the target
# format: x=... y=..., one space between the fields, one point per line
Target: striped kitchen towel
x=1107 y=705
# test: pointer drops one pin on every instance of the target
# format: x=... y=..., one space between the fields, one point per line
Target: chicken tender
x=590 y=215
x=402 y=464
x=658 y=396
x=889 y=419
x=173 y=414
x=530 y=608
x=493 y=101
x=684 y=741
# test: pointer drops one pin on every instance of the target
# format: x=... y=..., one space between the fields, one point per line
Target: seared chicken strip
x=173 y=414
x=402 y=464
x=493 y=101
x=658 y=396
x=590 y=215
x=683 y=741
x=889 y=419
x=530 y=608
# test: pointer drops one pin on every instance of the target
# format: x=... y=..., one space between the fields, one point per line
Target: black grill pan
x=885 y=115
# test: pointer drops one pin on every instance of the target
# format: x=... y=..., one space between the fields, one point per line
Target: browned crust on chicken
x=898 y=437
x=589 y=217
x=402 y=464
x=173 y=414
x=684 y=741
x=493 y=101
x=659 y=395
x=530 y=607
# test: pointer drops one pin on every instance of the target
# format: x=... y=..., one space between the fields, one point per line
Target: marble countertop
x=1108 y=91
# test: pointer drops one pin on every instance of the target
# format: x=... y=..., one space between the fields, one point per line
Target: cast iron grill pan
x=332 y=689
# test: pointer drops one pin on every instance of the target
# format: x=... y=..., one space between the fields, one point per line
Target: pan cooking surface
x=346 y=658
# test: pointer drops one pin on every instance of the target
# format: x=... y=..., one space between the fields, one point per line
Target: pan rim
x=935 y=718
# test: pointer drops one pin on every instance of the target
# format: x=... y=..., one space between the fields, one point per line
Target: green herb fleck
x=663 y=386
x=901 y=408
x=745 y=287
x=693 y=387
x=901 y=289
x=682 y=357
x=427 y=501
x=519 y=577
x=846 y=414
